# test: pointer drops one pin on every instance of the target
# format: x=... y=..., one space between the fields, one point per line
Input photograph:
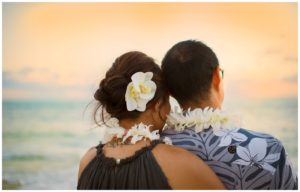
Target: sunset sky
x=62 y=50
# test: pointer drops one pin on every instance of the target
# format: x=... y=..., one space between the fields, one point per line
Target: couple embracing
x=200 y=147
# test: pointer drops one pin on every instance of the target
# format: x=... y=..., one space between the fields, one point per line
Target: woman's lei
x=119 y=135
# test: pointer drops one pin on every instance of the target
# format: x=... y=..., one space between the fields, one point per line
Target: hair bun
x=111 y=93
x=112 y=89
x=102 y=96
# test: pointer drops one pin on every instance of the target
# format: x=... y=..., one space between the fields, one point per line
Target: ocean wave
x=25 y=157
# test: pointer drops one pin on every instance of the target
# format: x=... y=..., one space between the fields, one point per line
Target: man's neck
x=202 y=105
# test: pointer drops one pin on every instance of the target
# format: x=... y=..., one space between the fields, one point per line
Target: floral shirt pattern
x=242 y=159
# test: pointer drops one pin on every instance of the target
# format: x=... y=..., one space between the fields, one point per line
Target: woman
x=133 y=93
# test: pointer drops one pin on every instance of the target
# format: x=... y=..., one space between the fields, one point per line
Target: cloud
x=291 y=79
x=292 y=59
x=9 y=81
x=33 y=77
x=16 y=89
x=25 y=71
x=15 y=81
x=272 y=51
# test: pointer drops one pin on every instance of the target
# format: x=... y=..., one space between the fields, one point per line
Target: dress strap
x=113 y=162
x=154 y=143
x=99 y=147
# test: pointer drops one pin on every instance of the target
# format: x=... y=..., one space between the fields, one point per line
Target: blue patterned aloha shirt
x=241 y=158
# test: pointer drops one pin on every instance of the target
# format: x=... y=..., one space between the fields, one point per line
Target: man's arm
x=285 y=176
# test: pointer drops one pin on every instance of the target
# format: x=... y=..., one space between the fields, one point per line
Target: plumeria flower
x=139 y=91
x=167 y=141
x=229 y=134
x=134 y=133
x=175 y=120
x=255 y=154
x=140 y=131
x=113 y=129
x=112 y=132
x=154 y=135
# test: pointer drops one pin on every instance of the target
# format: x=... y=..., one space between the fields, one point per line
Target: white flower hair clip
x=139 y=91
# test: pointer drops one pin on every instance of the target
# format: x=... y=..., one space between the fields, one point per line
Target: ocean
x=43 y=141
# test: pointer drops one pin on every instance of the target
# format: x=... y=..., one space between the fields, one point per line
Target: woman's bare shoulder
x=86 y=159
x=170 y=151
x=185 y=170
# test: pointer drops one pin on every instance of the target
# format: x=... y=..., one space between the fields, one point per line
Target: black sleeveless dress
x=140 y=171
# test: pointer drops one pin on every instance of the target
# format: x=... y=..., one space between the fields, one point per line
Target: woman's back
x=156 y=166
x=139 y=171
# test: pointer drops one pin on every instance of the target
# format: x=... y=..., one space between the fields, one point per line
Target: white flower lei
x=202 y=119
x=137 y=132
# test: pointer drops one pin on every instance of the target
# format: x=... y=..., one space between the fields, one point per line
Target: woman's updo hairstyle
x=112 y=89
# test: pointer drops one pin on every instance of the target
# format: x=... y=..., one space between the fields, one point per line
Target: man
x=242 y=159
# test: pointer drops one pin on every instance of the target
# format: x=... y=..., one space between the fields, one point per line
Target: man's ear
x=216 y=79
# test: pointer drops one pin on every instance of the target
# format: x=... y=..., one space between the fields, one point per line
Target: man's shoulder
x=190 y=132
x=271 y=141
x=256 y=134
x=214 y=143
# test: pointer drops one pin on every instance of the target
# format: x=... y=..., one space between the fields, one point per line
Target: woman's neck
x=129 y=123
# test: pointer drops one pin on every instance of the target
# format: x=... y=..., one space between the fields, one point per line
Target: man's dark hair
x=188 y=69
